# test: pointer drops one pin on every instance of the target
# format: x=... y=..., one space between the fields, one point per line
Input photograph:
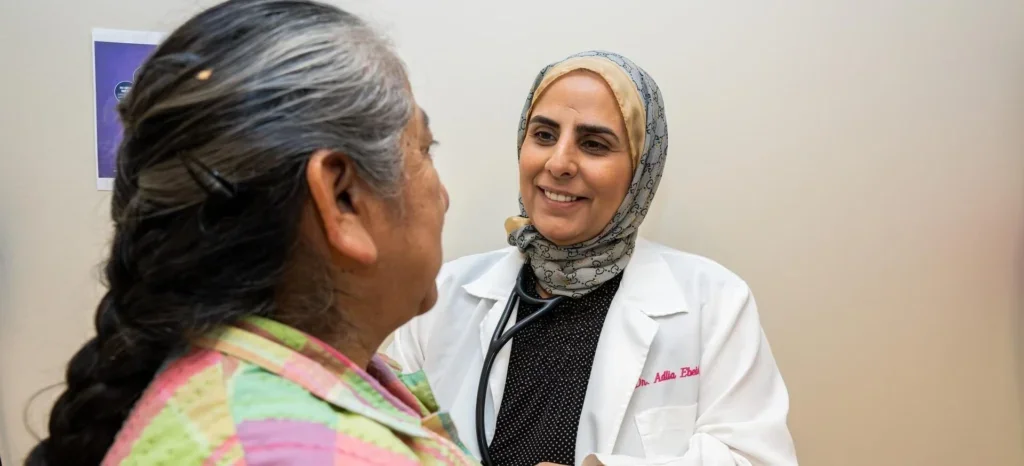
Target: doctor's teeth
x=559 y=197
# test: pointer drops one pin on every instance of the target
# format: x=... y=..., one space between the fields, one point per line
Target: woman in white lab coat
x=653 y=356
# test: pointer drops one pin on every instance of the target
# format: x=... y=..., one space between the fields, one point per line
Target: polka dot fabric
x=547 y=378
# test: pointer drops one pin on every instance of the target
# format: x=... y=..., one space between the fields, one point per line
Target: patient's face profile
x=574 y=166
x=421 y=218
x=409 y=237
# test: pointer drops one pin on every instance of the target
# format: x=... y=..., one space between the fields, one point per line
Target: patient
x=276 y=215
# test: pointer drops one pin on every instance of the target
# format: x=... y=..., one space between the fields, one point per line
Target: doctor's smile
x=561 y=197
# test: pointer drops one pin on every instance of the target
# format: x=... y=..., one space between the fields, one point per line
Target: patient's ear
x=341 y=202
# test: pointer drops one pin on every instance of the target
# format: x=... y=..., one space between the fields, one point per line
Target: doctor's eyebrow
x=581 y=129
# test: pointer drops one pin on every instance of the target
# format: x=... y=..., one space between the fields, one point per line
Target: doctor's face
x=574 y=167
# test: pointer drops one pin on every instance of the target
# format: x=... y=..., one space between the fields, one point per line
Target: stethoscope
x=498 y=340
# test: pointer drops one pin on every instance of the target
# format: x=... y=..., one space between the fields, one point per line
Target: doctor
x=650 y=356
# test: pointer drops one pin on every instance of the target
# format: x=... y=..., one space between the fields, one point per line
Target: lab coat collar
x=498 y=281
x=647 y=283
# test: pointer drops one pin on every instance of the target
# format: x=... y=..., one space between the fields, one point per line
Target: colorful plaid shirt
x=262 y=393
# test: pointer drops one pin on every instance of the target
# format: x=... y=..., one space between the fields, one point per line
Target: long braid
x=104 y=378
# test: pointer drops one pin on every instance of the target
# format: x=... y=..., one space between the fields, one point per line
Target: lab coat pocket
x=666 y=431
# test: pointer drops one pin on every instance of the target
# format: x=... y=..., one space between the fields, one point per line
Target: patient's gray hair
x=247 y=107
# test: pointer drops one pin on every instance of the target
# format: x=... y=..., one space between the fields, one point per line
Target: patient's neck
x=358 y=354
x=358 y=345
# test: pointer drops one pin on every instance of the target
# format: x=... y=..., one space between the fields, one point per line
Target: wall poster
x=116 y=57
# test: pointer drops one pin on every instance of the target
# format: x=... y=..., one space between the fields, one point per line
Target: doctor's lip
x=558 y=195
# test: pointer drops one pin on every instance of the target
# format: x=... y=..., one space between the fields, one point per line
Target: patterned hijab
x=581 y=268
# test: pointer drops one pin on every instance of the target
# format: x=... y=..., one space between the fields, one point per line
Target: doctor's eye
x=544 y=136
x=594 y=147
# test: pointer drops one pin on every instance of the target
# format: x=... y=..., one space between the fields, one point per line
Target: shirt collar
x=375 y=393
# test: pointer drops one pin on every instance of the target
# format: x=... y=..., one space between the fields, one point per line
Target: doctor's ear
x=341 y=202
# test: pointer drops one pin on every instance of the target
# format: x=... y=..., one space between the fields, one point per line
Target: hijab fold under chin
x=581 y=268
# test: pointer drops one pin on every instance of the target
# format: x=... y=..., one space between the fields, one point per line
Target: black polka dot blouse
x=547 y=378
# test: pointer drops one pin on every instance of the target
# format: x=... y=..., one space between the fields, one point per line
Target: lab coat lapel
x=647 y=291
x=494 y=287
x=499 y=372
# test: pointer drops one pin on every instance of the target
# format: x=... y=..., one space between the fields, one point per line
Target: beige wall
x=860 y=163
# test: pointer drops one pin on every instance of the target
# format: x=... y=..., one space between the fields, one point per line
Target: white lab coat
x=683 y=374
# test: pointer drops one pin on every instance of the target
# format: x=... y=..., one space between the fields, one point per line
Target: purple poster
x=117 y=56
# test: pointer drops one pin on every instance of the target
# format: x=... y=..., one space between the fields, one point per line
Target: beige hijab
x=579 y=269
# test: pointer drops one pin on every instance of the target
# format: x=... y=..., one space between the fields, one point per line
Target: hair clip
x=209 y=179
x=204 y=74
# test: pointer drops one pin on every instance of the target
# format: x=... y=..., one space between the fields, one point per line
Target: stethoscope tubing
x=499 y=340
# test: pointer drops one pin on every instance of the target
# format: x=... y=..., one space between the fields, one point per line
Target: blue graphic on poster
x=117 y=56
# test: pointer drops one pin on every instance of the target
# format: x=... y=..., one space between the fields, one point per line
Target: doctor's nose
x=562 y=163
